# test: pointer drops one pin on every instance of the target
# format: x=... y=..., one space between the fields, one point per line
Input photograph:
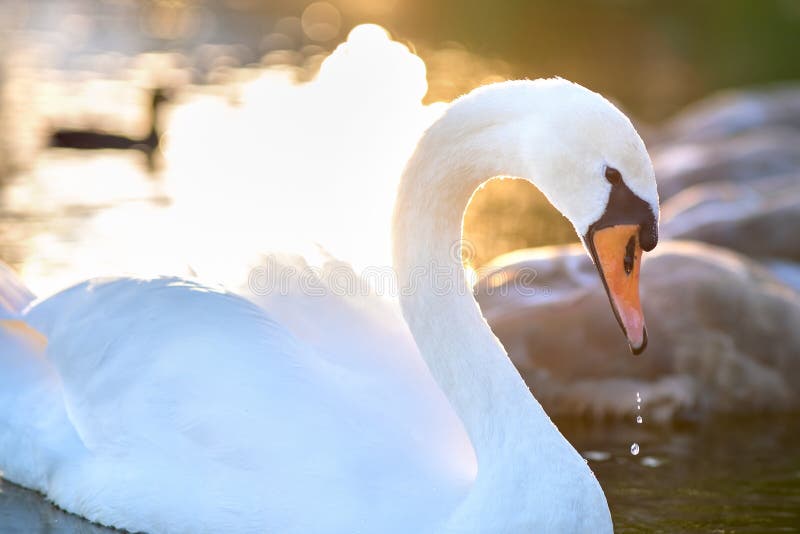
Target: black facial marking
x=624 y=207
x=627 y=262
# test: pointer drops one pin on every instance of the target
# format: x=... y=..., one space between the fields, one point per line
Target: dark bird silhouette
x=95 y=140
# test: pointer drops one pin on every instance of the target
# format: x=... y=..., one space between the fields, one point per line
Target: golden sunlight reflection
x=263 y=162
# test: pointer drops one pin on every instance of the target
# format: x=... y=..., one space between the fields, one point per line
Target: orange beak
x=617 y=255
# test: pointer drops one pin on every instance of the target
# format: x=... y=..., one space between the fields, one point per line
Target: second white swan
x=167 y=406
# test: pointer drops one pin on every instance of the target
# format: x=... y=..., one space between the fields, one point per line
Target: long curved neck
x=466 y=359
x=529 y=477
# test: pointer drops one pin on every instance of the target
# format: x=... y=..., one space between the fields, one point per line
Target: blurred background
x=189 y=137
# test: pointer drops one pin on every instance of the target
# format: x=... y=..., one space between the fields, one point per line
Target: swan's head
x=581 y=152
x=596 y=171
x=586 y=157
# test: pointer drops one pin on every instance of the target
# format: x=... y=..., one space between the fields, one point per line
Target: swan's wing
x=354 y=321
x=344 y=316
x=170 y=376
x=132 y=352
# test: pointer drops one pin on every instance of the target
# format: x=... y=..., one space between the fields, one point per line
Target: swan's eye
x=613 y=176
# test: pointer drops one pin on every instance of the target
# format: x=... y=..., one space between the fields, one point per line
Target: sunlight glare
x=297 y=165
x=266 y=161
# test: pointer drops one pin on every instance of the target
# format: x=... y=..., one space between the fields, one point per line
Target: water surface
x=724 y=476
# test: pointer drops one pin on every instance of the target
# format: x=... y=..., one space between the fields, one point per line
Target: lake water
x=722 y=477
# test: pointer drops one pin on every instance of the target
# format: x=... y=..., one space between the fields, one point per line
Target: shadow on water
x=725 y=476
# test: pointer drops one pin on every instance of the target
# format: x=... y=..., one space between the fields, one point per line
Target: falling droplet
x=635 y=449
x=638 y=398
x=639 y=419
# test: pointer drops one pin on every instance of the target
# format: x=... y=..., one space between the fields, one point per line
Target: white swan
x=166 y=406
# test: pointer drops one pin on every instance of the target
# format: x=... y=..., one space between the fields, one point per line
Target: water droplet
x=639 y=419
x=638 y=398
x=635 y=449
